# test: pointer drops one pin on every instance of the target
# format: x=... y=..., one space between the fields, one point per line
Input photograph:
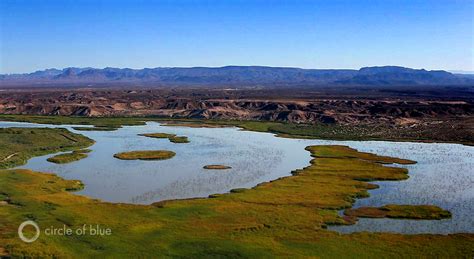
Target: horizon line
x=216 y=67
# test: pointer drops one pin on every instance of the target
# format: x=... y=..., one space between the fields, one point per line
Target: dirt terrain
x=428 y=114
x=226 y=104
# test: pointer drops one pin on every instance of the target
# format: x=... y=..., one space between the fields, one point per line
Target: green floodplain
x=17 y=145
x=287 y=217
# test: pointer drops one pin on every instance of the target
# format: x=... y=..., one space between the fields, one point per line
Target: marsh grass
x=171 y=137
x=106 y=122
x=146 y=155
x=17 y=145
x=96 y=128
x=428 y=212
x=83 y=151
x=69 y=157
x=285 y=217
x=217 y=167
x=282 y=129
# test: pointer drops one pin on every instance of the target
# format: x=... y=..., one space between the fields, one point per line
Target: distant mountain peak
x=389 y=69
x=240 y=76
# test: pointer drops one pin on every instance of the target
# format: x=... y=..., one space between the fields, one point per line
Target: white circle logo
x=23 y=225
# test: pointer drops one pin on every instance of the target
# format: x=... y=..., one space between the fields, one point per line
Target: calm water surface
x=443 y=176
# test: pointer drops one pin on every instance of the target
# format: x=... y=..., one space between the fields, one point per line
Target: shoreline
x=256 y=126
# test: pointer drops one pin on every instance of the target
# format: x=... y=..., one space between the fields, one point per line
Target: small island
x=428 y=212
x=171 y=137
x=95 y=128
x=69 y=157
x=195 y=124
x=145 y=155
x=217 y=167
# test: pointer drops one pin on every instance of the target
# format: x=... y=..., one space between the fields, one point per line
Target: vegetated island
x=216 y=167
x=193 y=125
x=400 y=212
x=69 y=157
x=146 y=155
x=96 y=128
x=171 y=137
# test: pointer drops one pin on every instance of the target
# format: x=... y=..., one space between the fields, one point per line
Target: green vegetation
x=83 y=151
x=95 y=128
x=171 y=137
x=400 y=211
x=146 y=155
x=179 y=139
x=324 y=131
x=335 y=151
x=107 y=122
x=218 y=167
x=69 y=157
x=313 y=131
x=17 y=145
x=286 y=217
x=191 y=124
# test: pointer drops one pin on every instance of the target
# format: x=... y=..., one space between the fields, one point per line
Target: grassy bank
x=105 y=122
x=285 y=217
x=17 y=145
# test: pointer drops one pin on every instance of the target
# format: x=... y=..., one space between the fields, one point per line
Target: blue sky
x=431 y=34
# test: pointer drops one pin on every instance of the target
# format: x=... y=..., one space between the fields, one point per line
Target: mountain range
x=238 y=76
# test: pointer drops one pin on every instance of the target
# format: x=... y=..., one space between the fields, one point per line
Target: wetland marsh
x=443 y=175
x=287 y=194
